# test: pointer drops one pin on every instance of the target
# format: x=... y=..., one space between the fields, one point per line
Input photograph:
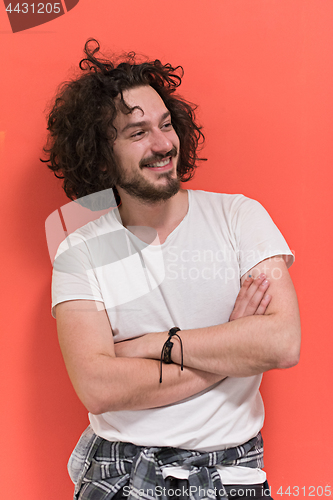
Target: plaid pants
x=103 y=470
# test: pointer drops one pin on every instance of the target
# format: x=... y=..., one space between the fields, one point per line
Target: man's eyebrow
x=142 y=123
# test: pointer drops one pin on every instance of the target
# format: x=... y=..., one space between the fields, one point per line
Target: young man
x=165 y=344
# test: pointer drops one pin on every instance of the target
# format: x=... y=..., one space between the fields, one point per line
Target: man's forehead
x=142 y=94
x=146 y=103
x=144 y=97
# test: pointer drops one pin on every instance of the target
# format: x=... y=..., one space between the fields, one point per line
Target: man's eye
x=138 y=134
x=167 y=125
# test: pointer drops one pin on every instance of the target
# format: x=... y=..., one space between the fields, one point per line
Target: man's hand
x=252 y=298
x=254 y=343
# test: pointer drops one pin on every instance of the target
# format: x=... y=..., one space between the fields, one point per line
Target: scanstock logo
x=25 y=15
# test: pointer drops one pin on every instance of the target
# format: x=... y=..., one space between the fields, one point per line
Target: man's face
x=146 y=147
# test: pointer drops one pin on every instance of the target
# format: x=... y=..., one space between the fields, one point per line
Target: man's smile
x=159 y=162
x=159 y=165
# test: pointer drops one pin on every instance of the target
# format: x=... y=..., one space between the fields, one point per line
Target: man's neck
x=162 y=216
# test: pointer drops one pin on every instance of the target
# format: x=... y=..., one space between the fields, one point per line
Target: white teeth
x=159 y=163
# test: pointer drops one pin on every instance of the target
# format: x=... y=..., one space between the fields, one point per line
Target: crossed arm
x=263 y=333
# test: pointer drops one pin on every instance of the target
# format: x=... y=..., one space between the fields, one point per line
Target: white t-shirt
x=190 y=281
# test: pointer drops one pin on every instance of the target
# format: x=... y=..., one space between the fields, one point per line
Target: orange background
x=262 y=73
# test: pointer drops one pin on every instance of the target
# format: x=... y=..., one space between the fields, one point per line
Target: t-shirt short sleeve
x=74 y=276
x=256 y=236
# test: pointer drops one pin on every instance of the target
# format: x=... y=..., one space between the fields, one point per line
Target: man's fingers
x=244 y=288
x=263 y=304
x=259 y=288
x=241 y=300
x=249 y=299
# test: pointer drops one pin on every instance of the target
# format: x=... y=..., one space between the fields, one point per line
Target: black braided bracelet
x=166 y=349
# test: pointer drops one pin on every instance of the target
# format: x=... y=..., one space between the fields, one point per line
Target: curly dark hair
x=79 y=148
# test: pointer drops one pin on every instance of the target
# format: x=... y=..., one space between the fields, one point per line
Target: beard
x=144 y=190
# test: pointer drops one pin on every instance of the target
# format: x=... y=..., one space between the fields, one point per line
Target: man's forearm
x=245 y=347
x=134 y=384
x=241 y=348
x=105 y=382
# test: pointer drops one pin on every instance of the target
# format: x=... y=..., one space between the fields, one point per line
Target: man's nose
x=160 y=143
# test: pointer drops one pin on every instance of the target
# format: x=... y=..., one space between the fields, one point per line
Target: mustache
x=158 y=157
